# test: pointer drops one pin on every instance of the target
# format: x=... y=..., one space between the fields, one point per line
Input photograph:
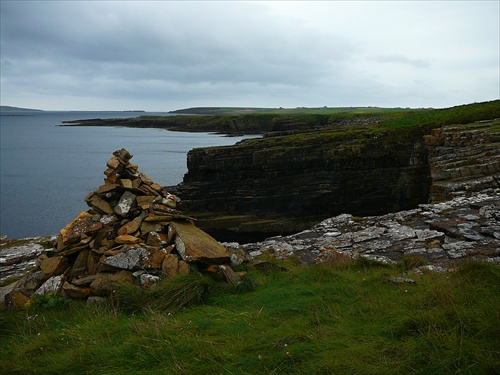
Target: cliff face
x=464 y=159
x=285 y=184
x=280 y=185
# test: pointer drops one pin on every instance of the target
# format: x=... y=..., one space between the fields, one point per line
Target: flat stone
x=148 y=226
x=164 y=219
x=229 y=275
x=130 y=259
x=153 y=239
x=100 y=205
x=157 y=258
x=145 y=201
x=368 y=234
x=103 y=285
x=16 y=254
x=401 y=232
x=132 y=168
x=51 y=286
x=470 y=234
x=125 y=203
x=113 y=163
x=80 y=265
x=53 y=266
x=81 y=225
x=145 y=178
x=194 y=245
x=106 y=188
x=126 y=183
x=108 y=219
x=170 y=201
x=429 y=235
x=87 y=280
x=157 y=187
x=170 y=265
x=131 y=227
x=127 y=239
x=73 y=291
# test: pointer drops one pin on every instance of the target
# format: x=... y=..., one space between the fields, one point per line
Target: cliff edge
x=285 y=183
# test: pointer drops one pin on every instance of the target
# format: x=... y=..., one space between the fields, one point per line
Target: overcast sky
x=166 y=55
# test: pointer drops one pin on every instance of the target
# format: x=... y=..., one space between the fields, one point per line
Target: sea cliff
x=282 y=184
x=309 y=167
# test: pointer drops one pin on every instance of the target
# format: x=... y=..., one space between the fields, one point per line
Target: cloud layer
x=167 y=55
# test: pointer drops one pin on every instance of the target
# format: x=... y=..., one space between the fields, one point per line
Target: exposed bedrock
x=284 y=184
x=281 y=185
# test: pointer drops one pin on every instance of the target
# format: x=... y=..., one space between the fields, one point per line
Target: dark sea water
x=47 y=170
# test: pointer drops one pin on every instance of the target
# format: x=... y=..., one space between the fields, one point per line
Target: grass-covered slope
x=260 y=121
x=342 y=318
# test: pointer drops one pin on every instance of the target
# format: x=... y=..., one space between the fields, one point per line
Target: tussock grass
x=167 y=296
x=329 y=319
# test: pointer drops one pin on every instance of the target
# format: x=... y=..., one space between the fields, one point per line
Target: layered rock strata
x=281 y=185
x=133 y=232
x=434 y=235
x=285 y=184
x=463 y=159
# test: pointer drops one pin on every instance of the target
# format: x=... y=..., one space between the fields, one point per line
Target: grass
x=340 y=318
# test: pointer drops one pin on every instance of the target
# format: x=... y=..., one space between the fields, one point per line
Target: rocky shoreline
x=316 y=197
x=438 y=235
x=434 y=237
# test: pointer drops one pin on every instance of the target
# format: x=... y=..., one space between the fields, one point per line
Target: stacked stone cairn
x=133 y=232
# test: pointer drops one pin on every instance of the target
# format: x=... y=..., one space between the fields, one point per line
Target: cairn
x=133 y=232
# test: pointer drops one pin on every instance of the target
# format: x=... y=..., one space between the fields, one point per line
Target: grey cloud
x=401 y=59
x=222 y=51
x=114 y=47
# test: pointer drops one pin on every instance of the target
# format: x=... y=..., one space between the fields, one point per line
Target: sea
x=47 y=170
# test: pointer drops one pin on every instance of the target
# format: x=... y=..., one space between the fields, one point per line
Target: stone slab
x=194 y=245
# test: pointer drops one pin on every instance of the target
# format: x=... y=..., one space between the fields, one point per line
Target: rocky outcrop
x=133 y=232
x=284 y=184
x=463 y=159
x=431 y=237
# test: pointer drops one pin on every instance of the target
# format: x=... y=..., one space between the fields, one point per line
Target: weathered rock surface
x=192 y=246
x=285 y=184
x=463 y=159
x=18 y=259
x=132 y=232
x=440 y=234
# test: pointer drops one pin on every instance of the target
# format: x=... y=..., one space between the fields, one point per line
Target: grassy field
x=341 y=318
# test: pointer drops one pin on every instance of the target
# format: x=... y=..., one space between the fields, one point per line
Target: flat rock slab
x=194 y=245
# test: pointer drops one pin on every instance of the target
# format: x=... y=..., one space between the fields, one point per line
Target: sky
x=167 y=55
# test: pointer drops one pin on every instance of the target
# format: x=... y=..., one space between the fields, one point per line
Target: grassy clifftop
x=345 y=317
x=227 y=121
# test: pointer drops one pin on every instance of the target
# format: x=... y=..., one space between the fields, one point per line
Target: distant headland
x=6 y=108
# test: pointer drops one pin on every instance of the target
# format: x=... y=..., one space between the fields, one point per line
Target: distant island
x=6 y=108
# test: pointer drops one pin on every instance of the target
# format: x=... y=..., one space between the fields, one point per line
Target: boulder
x=194 y=245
